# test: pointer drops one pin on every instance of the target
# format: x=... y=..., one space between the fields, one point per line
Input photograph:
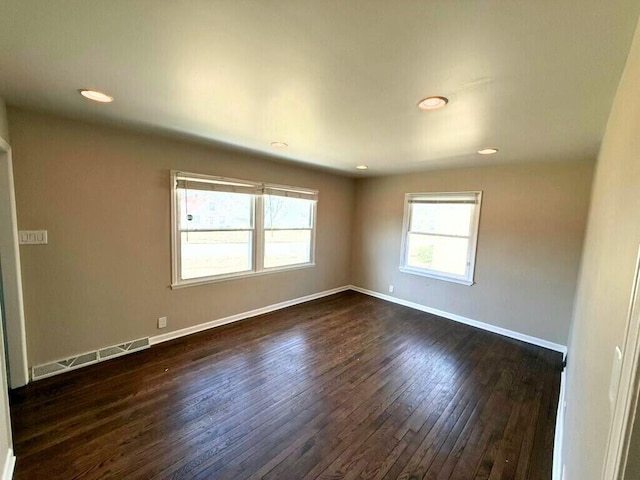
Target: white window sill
x=233 y=276
x=446 y=278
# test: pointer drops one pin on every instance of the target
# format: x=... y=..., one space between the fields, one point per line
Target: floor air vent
x=61 y=366
x=123 y=349
x=53 y=368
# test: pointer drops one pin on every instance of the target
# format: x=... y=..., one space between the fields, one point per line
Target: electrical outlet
x=162 y=322
x=390 y=288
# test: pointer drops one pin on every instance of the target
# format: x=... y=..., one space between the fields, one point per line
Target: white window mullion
x=258 y=244
x=404 y=260
x=176 y=246
x=314 y=211
x=473 y=237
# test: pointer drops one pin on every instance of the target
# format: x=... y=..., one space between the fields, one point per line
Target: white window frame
x=257 y=244
x=444 y=197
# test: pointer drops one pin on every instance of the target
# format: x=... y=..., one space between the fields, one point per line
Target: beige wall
x=103 y=195
x=606 y=278
x=530 y=239
x=4 y=125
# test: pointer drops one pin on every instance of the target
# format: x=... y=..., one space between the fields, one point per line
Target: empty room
x=320 y=239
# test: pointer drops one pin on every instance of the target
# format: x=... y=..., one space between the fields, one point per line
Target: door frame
x=628 y=389
x=11 y=274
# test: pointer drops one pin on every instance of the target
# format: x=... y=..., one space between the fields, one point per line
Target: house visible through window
x=440 y=235
x=226 y=228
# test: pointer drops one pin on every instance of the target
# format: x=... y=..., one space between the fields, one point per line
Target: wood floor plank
x=345 y=387
x=429 y=437
x=364 y=459
x=480 y=437
x=352 y=373
x=371 y=384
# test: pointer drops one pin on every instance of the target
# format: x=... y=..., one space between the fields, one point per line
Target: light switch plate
x=32 y=237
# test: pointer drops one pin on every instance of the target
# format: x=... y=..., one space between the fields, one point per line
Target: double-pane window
x=227 y=228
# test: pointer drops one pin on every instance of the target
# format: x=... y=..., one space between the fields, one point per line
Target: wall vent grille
x=54 y=368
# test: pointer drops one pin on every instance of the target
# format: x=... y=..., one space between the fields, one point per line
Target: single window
x=440 y=235
x=226 y=228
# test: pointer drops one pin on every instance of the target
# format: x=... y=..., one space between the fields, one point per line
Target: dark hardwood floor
x=345 y=387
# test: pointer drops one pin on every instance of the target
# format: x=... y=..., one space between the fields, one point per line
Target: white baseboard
x=288 y=303
x=9 y=465
x=557 y=441
x=186 y=331
x=467 y=321
x=242 y=316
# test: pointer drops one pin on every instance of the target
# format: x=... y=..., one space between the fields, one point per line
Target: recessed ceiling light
x=432 y=103
x=279 y=145
x=488 y=151
x=362 y=167
x=96 y=96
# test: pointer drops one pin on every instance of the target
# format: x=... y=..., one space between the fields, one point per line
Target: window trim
x=257 y=259
x=474 y=229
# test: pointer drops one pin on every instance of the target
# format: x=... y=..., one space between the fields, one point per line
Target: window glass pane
x=284 y=212
x=215 y=210
x=205 y=254
x=442 y=218
x=443 y=254
x=286 y=247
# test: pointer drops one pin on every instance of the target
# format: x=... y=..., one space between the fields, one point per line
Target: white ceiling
x=338 y=80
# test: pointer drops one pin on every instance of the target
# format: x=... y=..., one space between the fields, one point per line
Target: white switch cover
x=615 y=375
x=32 y=237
